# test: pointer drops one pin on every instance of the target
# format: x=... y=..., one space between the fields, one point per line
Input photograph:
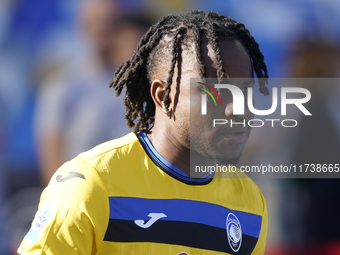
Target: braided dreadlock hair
x=136 y=73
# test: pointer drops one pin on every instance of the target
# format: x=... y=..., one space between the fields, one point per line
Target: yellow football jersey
x=122 y=197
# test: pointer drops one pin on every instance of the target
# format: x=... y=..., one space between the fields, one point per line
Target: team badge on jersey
x=234 y=232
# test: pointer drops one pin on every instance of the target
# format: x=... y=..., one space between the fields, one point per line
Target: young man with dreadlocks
x=134 y=195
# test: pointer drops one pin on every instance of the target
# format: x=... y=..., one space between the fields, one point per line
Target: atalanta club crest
x=234 y=232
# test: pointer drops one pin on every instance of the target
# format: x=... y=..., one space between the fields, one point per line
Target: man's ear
x=157 y=91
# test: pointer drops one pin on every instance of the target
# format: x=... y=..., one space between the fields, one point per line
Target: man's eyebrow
x=249 y=82
x=244 y=82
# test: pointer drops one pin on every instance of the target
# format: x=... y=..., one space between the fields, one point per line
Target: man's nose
x=229 y=110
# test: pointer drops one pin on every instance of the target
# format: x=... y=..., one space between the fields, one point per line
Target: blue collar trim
x=167 y=167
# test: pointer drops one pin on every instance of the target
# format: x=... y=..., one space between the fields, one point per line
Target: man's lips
x=235 y=134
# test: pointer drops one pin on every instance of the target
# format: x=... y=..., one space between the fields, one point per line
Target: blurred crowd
x=57 y=58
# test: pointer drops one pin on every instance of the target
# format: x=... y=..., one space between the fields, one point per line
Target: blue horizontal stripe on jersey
x=131 y=208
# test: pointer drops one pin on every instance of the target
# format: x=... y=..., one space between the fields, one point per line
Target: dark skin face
x=190 y=135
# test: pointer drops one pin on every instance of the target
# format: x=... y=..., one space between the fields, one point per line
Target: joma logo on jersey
x=154 y=217
x=239 y=99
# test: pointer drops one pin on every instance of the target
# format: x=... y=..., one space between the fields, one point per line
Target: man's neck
x=168 y=146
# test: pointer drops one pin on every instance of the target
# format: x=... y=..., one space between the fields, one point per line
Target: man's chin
x=213 y=155
x=225 y=161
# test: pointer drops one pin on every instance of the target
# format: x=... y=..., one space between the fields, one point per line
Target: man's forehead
x=235 y=58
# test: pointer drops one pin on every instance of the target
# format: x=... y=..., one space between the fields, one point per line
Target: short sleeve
x=73 y=213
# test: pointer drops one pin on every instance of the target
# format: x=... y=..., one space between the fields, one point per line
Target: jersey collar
x=167 y=167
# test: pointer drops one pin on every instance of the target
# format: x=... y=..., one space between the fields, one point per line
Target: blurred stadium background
x=45 y=45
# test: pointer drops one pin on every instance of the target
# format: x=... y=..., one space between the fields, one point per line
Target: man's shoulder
x=119 y=145
x=248 y=194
